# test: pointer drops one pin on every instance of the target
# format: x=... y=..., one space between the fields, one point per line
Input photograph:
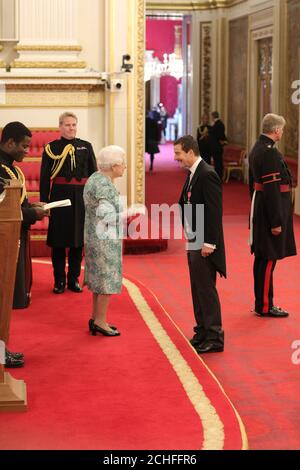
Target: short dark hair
x=215 y=114
x=188 y=143
x=16 y=131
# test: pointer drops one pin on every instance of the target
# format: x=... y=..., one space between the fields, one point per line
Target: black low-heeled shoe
x=91 y=322
x=97 y=329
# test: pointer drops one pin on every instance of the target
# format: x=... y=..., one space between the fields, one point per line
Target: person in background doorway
x=218 y=140
x=204 y=139
x=152 y=138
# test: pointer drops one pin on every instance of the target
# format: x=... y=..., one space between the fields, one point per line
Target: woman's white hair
x=110 y=156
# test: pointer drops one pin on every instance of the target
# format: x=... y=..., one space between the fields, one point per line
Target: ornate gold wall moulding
x=140 y=103
x=262 y=33
x=55 y=86
x=49 y=65
x=35 y=47
x=53 y=99
x=193 y=6
x=9 y=77
x=205 y=67
x=2 y=65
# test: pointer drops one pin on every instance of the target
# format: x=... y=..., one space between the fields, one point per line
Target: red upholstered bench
x=31 y=166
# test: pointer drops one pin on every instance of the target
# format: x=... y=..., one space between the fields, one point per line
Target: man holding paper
x=14 y=146
x=66 y=165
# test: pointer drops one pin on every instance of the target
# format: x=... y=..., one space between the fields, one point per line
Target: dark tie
x=186 y=185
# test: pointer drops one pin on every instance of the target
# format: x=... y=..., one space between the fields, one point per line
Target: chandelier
x=172 y=64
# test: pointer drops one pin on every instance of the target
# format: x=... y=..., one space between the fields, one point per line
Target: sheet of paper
x=53 y=205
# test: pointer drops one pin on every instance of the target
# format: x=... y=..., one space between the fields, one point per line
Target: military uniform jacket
x=23 y=273
x=66 y=224
x=271 y=207
x=206 y=188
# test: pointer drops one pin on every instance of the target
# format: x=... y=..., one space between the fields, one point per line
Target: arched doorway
x=168 y=74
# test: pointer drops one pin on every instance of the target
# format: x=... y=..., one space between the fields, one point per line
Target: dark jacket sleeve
x=45 y=178
x=212 y=192
x=271 y=181
x=28 y=213
x=92 y=160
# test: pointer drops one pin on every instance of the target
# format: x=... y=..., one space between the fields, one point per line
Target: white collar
x=194 y=166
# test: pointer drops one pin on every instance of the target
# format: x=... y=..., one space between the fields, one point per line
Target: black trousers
x=207 y=309
x=59 y=264
x=218 y=162
x=151 y=160
x=263 y=284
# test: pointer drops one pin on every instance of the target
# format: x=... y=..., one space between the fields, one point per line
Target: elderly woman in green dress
x=103 y=236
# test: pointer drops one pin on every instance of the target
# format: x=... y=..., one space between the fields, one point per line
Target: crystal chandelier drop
x=172 y=64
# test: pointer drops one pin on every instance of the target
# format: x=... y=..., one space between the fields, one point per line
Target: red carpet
x=256 y=367
x=146 y=389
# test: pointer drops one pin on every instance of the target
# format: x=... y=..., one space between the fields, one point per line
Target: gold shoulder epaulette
x=20 y=178
x=59 y=160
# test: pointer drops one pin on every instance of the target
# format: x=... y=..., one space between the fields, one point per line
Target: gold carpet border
x=243 y=432
x=160 y=334
x=213 y=429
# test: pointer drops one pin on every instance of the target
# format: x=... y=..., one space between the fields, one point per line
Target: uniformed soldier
x=66 y=165
x=271 y=220
x=14 y=146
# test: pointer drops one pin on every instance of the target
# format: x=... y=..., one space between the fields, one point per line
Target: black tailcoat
x=272 y=208
x=206 y=189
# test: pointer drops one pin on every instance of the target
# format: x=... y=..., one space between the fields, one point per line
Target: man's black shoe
x=74 y=287
x=274 y=312
x=59 y=288
x=11 y=361
x=196 y=341
x=15 y=355
x=209 y=347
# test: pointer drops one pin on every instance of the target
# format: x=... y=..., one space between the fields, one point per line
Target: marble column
x=48 y=31
x=125 y=108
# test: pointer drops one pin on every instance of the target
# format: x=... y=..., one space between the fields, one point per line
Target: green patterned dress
x=102 y=236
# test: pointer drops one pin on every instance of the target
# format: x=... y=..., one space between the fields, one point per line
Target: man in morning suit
x=205 y=259
x=66 y=165
x=217 y=141
x=271 y=220
x=14 y=146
